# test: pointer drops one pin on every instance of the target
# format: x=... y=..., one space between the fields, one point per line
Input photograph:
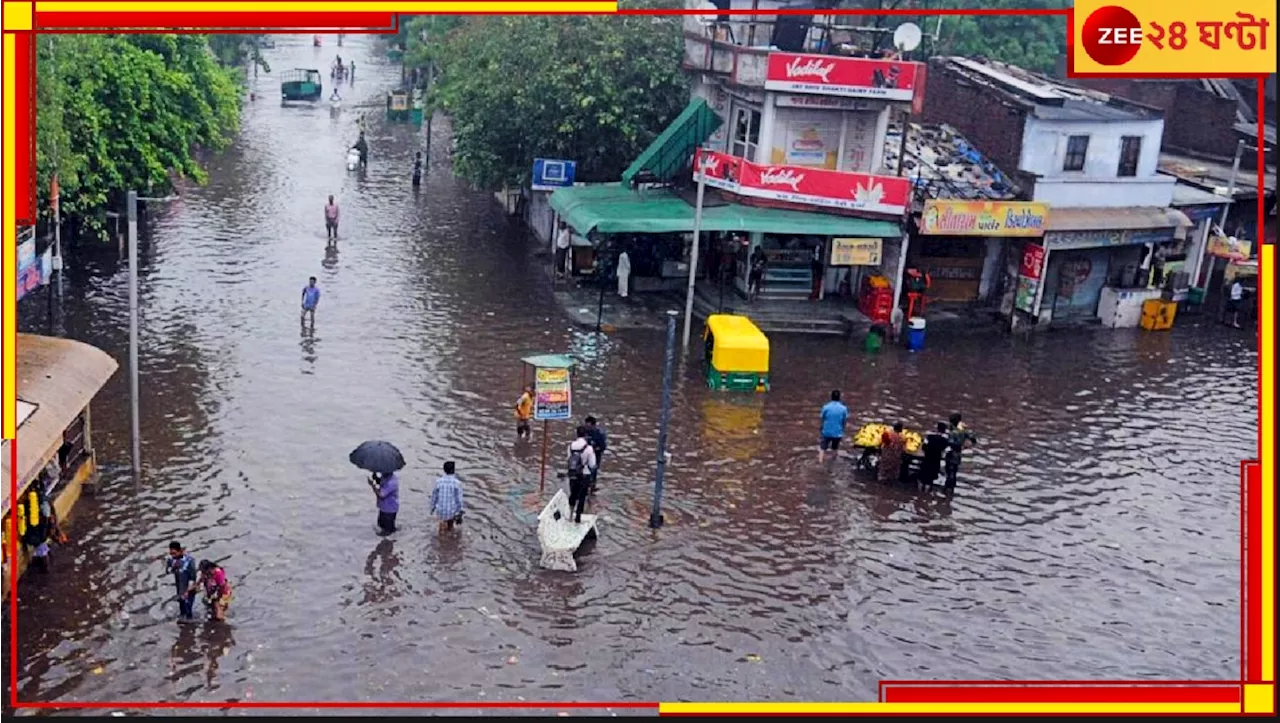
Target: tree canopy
x=116 y=112
x=1027 y=41
x=594 y=89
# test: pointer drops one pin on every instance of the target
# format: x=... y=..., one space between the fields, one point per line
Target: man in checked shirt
x=446 y=499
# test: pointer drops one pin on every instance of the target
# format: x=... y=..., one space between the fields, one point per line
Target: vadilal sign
x=856 y=251
x=984 y=218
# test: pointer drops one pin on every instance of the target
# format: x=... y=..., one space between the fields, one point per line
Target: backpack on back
x=575 y=461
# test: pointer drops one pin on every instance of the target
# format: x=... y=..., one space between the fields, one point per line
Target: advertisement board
x=983 y=218
x=849 y=77
x=856 y=251
x=887 y=195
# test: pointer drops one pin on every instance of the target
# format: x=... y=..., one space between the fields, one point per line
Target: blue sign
x=548 y=175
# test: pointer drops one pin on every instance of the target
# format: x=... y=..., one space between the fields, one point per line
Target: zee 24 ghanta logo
x=1113 y=35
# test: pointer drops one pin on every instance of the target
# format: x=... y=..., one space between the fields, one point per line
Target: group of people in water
x=190 y=579
x=940 y=452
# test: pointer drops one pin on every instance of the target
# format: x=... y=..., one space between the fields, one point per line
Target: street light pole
x=693 y=260
x=131 y=202
x=655 y=515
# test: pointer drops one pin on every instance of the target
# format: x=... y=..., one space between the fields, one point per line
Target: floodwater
x=1094 y=534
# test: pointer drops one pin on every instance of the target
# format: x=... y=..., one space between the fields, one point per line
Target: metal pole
x=135 y=426
x=600 y=278
x=693 y=261
x=655 y=515
x=1222 y=220
x=542 y=480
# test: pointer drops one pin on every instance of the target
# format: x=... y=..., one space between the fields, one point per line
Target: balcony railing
x=739 y=47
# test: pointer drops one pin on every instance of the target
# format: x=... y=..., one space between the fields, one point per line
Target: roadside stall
x=736 y=354
x=57 y=379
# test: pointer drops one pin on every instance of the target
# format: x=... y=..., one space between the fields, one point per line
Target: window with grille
x=1077 y=149
x=1130 y=149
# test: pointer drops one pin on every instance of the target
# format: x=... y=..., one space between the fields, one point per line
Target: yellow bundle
x=911 y=441
x=33 y=508
x=878 y=282
x=22 y=521
x=870 y=434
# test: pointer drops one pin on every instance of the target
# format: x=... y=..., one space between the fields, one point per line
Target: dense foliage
x=1031 y=42
x=116 y=112
x=594 y=89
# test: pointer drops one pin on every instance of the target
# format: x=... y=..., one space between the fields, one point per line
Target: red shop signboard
x=850 y=77
x=888 y=195
x=1032 y=261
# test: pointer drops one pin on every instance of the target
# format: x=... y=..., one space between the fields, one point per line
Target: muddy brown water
x=1095 y=532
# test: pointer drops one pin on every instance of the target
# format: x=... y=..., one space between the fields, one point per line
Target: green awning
x=612 y=208
x=670 y=152
x=550 y=361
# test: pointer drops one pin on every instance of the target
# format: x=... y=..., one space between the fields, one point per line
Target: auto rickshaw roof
x=736 y=332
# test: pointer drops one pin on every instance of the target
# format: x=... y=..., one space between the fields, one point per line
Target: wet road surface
x=1095 y=532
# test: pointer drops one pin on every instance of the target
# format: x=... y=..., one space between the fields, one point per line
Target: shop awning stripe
x=614 y=208
x=1114 y=219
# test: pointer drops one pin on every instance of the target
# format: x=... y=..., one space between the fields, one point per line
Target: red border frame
x=889 y=691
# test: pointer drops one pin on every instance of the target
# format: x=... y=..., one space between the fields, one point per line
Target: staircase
x=783 y=314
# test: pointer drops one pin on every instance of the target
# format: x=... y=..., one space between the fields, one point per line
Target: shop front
x=1091 y=275
x=964 y=245
x=54 y=458
x=655 y=228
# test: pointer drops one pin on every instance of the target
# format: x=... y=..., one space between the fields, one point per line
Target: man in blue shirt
x=310 y=298
x=834 y=415
x=446 y=499
x=183 y=567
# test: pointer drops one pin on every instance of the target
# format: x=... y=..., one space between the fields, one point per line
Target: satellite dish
x=907 y=37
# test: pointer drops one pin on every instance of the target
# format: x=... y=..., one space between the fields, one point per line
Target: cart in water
x=301 y=84
x=867 y=440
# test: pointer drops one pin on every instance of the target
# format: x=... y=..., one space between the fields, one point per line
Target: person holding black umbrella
x=383 y=460
x=387 y=490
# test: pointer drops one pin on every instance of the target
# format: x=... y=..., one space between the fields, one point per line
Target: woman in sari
x=217 y=590
x=891 y=449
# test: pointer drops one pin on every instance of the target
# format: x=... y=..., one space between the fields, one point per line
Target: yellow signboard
x=856 y=251
x=1161 y=38
x=1230 y=247
x=983 y=218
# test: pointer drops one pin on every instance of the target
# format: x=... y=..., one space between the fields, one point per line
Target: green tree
x=595 y=89
x=1030 y=42
x=127 y=111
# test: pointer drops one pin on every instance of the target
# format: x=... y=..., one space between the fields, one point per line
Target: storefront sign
x=548 y=174
x=824 y=102
x=887 y=195
x=849 y=77
x=1066 y=240
x=978 y=218
x=1230 y=247
x=856 y=251
x=1029 y=273
x=1032 y=261
x=1025 y=298
x=1199 y=213
x=553 y=395
x=29 y=276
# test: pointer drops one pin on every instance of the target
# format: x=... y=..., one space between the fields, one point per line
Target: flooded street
x=1095 y=532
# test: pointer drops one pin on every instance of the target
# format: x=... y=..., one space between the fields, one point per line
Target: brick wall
x=1194 y=119
x=988 y=121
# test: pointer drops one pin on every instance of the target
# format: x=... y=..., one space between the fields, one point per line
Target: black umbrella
x=377 y=456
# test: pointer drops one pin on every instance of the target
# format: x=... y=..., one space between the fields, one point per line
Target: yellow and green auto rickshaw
x=737 y=354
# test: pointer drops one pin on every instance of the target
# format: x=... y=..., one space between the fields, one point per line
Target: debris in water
x=753 y=658
x=512 y=660
x=98 y=670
